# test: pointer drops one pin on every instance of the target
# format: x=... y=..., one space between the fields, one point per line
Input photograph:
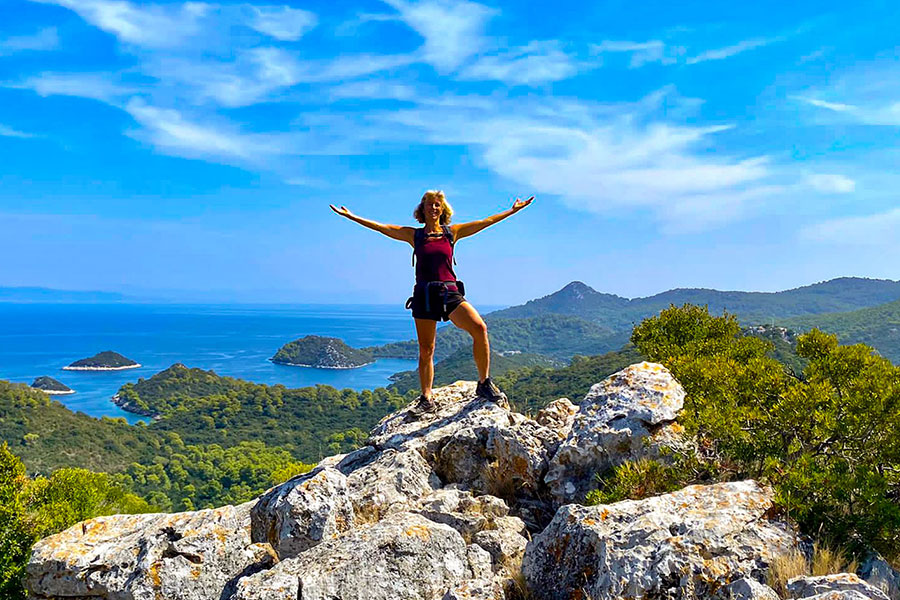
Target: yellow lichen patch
x=589 y=522
x=604 y=514
x=418 y=531
x=153 y=572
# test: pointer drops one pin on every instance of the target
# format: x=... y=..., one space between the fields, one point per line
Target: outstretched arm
x=397 y=232
x=466 y=229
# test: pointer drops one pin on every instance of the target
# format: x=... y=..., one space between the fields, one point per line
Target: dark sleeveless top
x=434 y=257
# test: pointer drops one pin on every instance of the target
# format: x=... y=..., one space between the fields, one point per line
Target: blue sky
x=190 y=150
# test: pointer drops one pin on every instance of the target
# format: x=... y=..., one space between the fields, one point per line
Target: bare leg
x=467 y=318
x=425 y=332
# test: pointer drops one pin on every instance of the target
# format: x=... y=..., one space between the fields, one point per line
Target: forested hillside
x=878 y=327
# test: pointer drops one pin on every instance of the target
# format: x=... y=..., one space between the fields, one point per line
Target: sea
x=233 y=340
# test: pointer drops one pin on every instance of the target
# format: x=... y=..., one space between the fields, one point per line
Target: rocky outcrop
x=629 y=415
x=876 y=571
x=451 y=504
x=686 y=544
x=182 y=556
x=838 y=586
x=402 y=557
x=747 y=588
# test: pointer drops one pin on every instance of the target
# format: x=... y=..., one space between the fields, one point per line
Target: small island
x=322 y=353
x=50 y=386
x=104 y=361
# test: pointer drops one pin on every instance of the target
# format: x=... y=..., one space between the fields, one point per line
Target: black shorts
x=435 y=301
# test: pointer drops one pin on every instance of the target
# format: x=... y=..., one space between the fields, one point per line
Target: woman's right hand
x=341 y=211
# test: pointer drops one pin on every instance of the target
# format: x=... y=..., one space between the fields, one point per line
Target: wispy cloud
x=96 y=86
x=734 y=49
x=602 y=160
x=535 y=63
x=282 y=22
x=878 y=230
x=835 y=106
x=6 y=131
x=831 y=183
x=641 y=53
x=43 y=40
x=868 y=94
x=453 y=30
x=177 y=24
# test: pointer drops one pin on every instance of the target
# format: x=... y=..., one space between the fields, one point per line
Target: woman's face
x=434 y=208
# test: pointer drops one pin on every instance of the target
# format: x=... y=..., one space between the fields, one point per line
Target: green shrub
x=829 y=442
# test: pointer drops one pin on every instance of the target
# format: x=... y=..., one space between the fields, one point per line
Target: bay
x=233 y=340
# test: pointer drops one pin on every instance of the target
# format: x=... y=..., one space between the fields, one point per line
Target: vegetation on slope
x=828 y=442
x=323 y=352
x=461 y=365
x=106 y=359
x=878 y=327
x=31 y=509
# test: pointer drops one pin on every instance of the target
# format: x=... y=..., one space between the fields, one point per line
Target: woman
x=437 y=295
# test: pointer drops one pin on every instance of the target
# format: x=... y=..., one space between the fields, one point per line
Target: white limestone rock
x=685 y=544
x=748 y=589
x=476 y=589
x=303 y=511
x=629 y=415
x=840 y=583
x=181 y=556
x=388 y=481
x=558 y=416
x=402 y=557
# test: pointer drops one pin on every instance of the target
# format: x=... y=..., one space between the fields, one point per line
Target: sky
x=189 y=150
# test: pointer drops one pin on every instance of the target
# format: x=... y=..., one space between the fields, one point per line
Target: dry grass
x=825 y=560
x=498 y=483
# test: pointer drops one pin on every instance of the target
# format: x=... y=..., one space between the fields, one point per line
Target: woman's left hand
x=520 y=204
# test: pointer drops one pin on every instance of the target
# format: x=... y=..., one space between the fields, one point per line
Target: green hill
x=878 y=326
x=321 y=352
x=460 y=365
x=616 y=313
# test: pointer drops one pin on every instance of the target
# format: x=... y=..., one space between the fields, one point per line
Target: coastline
x=71 y=368
x=285 y=364
x=126 y=406
x=55 y=392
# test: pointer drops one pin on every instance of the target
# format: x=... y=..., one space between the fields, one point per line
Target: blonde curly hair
x=431 y=195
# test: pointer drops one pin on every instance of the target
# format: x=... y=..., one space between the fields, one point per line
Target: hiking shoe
x=422 y=405
x=489 y=390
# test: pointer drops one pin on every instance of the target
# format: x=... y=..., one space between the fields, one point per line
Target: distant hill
x=103 y=361
x=878 y=326
x=321 y=352
x=40 y=295
x=617 y=313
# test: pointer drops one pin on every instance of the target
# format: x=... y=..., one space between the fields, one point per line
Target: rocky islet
x=469 y=501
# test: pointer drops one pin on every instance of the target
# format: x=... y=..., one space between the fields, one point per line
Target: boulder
x=693 y=541
x=876 y=571
x=473 y=442
x=402 y=557
x=303 y=512
x=629 y=415
x=558 y=416
x=475 y=589
x=840 y=583
x=460 y=509
x=181 y=556
x=748 y=589
x=387 y=481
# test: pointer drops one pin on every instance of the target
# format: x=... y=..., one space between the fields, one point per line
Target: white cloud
x=835 y=106
x=96 y=86
x=642 y=53
x=45 y=39
x=830 y=183
x=375 y=90
x=535 y=63
x=187 y=23
x=601 y=162
x=879 y=230
x=729 y=51
x=453 y=30
x=6 y=131
x=150 y=25
x=282 y=22
x=169 y=130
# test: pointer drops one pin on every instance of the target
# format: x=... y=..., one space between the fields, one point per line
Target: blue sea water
x=234 y=340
